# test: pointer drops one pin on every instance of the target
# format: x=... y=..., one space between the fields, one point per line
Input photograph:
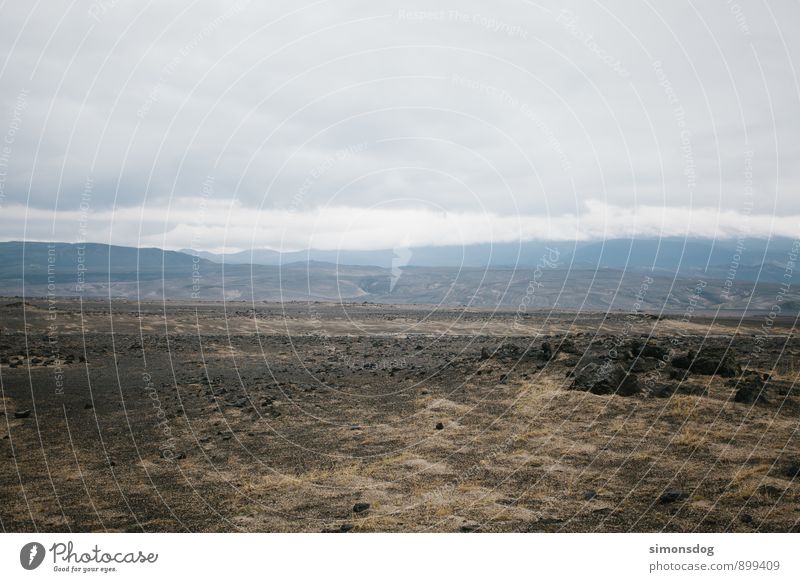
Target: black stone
x=607 y=378
x=672 y=496
x=752 y=389
x=709 y=362
x=344 y=528
x=792 y=471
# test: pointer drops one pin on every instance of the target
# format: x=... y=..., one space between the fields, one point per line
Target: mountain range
x=753 y=259
x=615 y=274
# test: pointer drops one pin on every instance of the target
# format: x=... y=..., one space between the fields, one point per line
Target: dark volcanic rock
x=568 y=346
x=677 y=374
x=667 y=390
x=648 y=350
x=360 y=507
x=344 y=528
x=607 y=378
x=752 y=389
x=719 y=362
x=571 y=362
x=439 y=426
x=508 y=351
x=643 y=365
x=792 y=471
x=692 y=390
x=683 y=362
x=672 y=496
x=22 y=414
x=503 y=351
x=770 y=491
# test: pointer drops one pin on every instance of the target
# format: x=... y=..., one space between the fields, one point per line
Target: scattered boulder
x=439 y=426
x=793 y=471
x=641 y=365
x=668 y=390
x=648 y=349
x=344 y=528
x=752 y=389
x=684 y=362
x=607 y=378
x=709 y=363
x=571 y=362
x=672 y=496
x=770 y=491
x=360 y=507
x=677 y=374
x=692 y=390
x=506 y=350
x=568 y=346
x=503 y=351
x=651 y=350
x=22 y=413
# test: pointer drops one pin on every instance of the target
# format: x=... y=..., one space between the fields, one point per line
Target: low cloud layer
x=202 y=224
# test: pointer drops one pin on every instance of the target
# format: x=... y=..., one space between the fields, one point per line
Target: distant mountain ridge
x=753 y=259
x=563 y=282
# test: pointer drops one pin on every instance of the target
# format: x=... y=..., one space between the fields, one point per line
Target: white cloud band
x=216 y=225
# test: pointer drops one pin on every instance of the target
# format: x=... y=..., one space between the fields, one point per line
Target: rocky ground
x=322 y=417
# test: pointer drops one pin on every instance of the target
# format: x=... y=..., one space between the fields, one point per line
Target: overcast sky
x=337 y=124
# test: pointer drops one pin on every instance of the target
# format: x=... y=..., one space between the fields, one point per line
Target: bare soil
x=314 y=417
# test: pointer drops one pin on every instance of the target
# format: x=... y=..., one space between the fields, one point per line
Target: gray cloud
x=512 y=108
